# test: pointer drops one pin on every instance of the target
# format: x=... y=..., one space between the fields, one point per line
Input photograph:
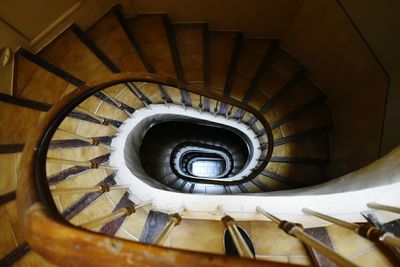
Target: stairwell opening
x=180 y=148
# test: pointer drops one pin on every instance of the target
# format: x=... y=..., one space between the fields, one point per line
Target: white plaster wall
x=344 y=197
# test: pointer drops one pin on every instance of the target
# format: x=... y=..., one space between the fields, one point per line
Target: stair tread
x=299 y=94
x=70 y=54
x=220 y=46
x=279 y=72
x=190 y=47
x=33 y=82
x=250 y=58
x=110 y=37
x=150 y=32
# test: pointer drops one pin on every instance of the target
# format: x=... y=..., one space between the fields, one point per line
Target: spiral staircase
x=129 y=106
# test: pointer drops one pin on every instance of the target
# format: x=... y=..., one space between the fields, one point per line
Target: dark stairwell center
x=174 y=150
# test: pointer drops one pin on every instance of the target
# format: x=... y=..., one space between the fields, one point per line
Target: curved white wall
x=344 y=197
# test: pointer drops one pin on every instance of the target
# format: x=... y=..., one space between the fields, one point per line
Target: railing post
x=174 y=220
x=200 y=105
x=164 y=100
x=134 y=89
x=89 y=164
x=367 y=231
x=102 y=120
x=294 y=230
x=374 y=205
x=183 y=102
x=76 y=190
x=240 y=244
x=241 y=117
x=216 y=109
x=229 y=112
x=89 y=140
x=126 y=211
x=117 y=103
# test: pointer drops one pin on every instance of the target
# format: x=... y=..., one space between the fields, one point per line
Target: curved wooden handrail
x=71 y=246
x=62 y=243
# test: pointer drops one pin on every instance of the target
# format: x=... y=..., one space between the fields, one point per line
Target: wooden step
x=71 y=55
x=279 y=72
x=191 y=42
x=250 y=56
x=12 y=246
x=151 y=34
x=221 y=45
x=19 y=128
x=297 y=96
x=110 y=37
x=36 y=83
x=312 y=118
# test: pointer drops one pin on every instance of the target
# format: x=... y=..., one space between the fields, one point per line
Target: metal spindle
x=164 y=100
x=174 y=220
x=89 y=140
x=102 y=120
x=119 y=105
x=241 y=116
x=126 y=211
x=374 y=205
x=294 y=230
x=141 y=98
x=216 y=109
x=200 y=105
x=77 y=190
x=348 y=225
x=240 y=244
x=135 y=91
x=89 y=164
x=367 y=231
x=229 y=113
x=183 y=102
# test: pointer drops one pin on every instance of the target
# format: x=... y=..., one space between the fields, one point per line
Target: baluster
x=117 y=103
x=174 y=220
x=89 y=140
x=297 y=231
x=141 y=98
x=263 y=146
x=200 y=105
x=240 y=244
x=250 y=126
x=229 y=113
x=89 y=164
x=77 y=190
x=216 y=109
x=164 y=100
x=374 y=205
x=183 y=103
x=135 y=91
x=252 y=121
x=126 y=211
x=367 y=231
x=241 y=116
x=102 y=120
